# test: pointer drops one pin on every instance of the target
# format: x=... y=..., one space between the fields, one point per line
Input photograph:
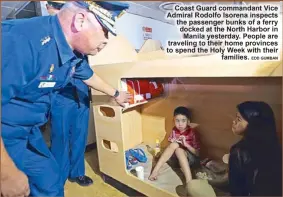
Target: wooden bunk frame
x=118 y=129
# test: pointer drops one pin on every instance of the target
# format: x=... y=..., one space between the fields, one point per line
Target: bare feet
x=153 y=176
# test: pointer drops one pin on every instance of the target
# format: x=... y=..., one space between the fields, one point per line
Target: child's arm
x=195 y=146
x=172 y=137
x=189 y=147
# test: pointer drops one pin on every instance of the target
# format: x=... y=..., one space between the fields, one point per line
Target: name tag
x=46 y=84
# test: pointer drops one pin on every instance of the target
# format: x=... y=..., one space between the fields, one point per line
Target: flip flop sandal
x=139 y=154
x=128 y=164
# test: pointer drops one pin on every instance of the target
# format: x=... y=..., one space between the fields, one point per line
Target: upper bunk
x=118 y=62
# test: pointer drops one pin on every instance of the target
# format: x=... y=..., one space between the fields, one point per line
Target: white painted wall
x=130 y=26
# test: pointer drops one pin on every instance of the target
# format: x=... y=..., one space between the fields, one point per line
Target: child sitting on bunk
x=184 y=145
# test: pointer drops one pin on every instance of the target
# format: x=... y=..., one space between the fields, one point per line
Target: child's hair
x=183 y=111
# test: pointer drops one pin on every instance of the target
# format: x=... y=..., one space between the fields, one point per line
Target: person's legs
x=62 y=117
x=78 y=137
x=169 y=151
x=78 y=140
x=30 y=156
x=194 y=161
x=43 y=173
x=69 y=125
x=184 y=163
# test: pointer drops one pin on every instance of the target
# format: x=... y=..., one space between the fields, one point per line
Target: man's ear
x=79 y=21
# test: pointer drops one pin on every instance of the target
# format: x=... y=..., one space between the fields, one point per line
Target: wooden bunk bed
x=211 y=87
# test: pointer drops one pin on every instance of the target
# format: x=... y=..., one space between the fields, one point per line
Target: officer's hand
x=124 y=97
x=15 y=184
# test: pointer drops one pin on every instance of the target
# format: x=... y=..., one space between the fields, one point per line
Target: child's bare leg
x=183 y=160
x=169 y=151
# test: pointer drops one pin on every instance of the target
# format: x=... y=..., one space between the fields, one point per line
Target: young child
x=184 y=144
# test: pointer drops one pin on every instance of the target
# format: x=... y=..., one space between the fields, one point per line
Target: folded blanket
x=216 y=173
x=214 y=166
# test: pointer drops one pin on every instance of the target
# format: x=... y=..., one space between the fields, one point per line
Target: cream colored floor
x=99 y=188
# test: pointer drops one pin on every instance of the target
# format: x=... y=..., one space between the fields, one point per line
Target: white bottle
x=157 y=147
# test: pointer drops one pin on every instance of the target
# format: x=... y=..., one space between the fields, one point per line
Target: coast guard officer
x=40 y=56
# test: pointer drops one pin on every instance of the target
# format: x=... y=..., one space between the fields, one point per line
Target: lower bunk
x=171 y=178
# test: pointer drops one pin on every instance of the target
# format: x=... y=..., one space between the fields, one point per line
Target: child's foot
x=153 y=176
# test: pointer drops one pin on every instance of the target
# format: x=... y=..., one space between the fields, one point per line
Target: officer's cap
x=106 y=12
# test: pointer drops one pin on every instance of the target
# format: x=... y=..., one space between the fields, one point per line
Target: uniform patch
x=43 y=78
x=46 y=84
x=51 y=69
x=51 y=77
x=45 y=40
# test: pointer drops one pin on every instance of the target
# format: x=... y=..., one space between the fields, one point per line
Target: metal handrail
x=22 y=7
x=16 y=10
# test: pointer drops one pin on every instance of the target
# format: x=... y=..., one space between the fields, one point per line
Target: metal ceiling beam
x=13 y=8
x=17 y=10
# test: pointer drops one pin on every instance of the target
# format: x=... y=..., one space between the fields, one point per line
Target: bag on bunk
x=142 y=89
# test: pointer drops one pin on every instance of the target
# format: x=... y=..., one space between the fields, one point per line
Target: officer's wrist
x=116 y=94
